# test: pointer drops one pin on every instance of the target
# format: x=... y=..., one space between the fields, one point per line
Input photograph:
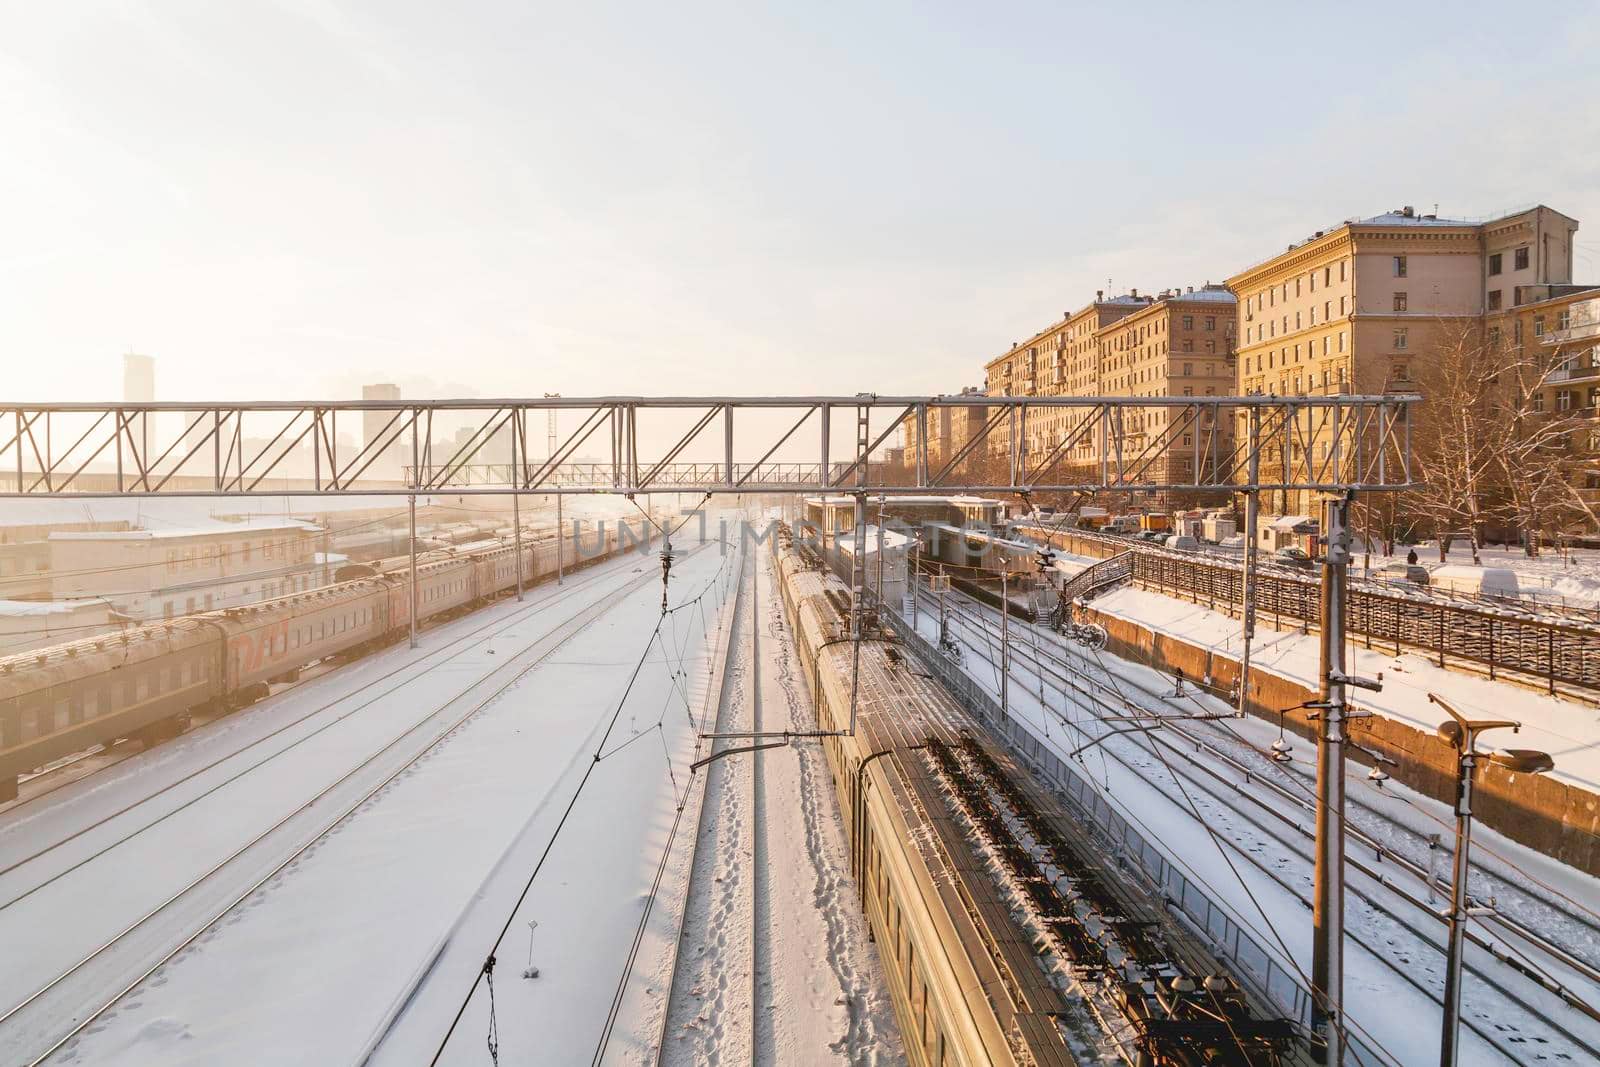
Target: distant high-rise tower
x=138 y=378
x=388 y=464
x=139 y=387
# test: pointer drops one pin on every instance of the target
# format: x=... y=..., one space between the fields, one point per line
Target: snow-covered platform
x=1558 y=813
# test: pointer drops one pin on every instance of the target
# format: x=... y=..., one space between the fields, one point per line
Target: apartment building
x=949 y=428
x=1174 y=343
x=1557 y=329
x=1353 y=308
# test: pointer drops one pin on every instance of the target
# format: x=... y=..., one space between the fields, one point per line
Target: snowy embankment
x=1569 y=731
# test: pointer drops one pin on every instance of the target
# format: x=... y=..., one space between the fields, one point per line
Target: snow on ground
x=397 y=907
x=1569 y=731
x=1135 y=783
x=1563 y=577
x=776 y=965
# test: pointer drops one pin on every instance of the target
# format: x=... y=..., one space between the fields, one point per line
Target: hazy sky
x=287 y=199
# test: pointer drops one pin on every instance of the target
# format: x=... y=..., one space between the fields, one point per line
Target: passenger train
x=147 y=682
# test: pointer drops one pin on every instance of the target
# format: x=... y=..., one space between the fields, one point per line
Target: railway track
x=689 y=1003
x=762 y=1049
x=1366 y=828
x=1244 y=802
x=398 y=677
x=44 y=1021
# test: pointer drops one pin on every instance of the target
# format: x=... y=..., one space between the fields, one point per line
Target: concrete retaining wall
x=1557 y=818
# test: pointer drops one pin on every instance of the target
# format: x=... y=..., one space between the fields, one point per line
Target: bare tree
x=1458 y=379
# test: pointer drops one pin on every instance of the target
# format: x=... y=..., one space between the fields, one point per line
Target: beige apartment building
x=1353 y=308
x=949 y=428
x=1557 y=327
x=1174 y=343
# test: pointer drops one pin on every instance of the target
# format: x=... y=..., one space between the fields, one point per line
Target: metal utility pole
x=1462 y=735
x=1327 y=962
x=944 y=619
x=880 y=552
x=916 y=550
x=551 y=438
x=1252 y=520
x=411 y=510
x=1005 y=640
x=516 y=502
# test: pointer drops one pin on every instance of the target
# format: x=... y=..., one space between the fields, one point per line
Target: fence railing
x=1501 y=639
x=1559 y=653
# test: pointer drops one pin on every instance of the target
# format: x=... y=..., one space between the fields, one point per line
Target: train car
x=143 y=683
x=147 y=682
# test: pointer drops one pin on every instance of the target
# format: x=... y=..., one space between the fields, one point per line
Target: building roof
x=1213 y=294
x=16 y=608
x=1401 y=218
x=221 y=529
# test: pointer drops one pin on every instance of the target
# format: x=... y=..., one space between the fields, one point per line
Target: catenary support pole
x=1005 y=639
x=516 y=507
x=411 y=581
x=1327 y=960
x=1252 y=521
x=916 y=561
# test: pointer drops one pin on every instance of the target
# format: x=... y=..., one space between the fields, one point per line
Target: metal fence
x=1253 y=965
x=1564 y=653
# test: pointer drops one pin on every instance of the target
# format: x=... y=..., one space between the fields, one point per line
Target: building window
x=1563 y=319
x=1188 y=369
x=1342 y=300
x=1594 y=396
x=1399 y=301
x=1538 y=401
x=1211 y=346
x=1188 y=322
x=1516 y=332
x=1188 y=345
x=1494 y=337
x=1402 y=373
x=1341 y=340
x=1494 y=300
x=1211 y=322
x=1399 y=266
x=1563 y=399
x=1400 y=339
x=1538 y=325
x=1494 y=264
x=1341 y=270
x=1521 y=258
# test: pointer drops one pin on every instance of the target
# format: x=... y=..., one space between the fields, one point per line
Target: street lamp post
x=1462 y=734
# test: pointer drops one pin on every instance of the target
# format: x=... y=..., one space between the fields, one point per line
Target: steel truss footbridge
x=631 y=445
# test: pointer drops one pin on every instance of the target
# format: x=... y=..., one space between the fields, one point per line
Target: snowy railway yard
x=1229 y=804
x=494 y=846
x=374 y=826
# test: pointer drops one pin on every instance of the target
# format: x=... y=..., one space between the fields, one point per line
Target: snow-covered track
x=392 y=680
x=1263 y=814
x=725 y=721
x=49 y=1017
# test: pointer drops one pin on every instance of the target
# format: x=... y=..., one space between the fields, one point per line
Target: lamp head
x=1523 y=760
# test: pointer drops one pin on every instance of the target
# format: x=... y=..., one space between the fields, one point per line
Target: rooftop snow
x=13 y=608
x=221 y=529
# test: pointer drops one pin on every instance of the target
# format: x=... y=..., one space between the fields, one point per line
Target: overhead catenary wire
x=566 y=813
